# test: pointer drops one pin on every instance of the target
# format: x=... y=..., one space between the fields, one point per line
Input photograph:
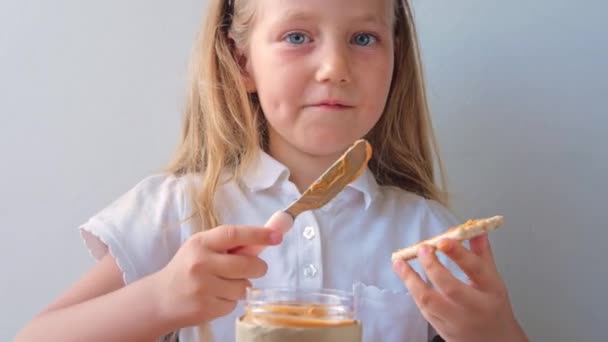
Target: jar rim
x=300 y=306
x=321 y=293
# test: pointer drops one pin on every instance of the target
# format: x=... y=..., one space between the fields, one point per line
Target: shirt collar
x=266 y=171
x=367 y=185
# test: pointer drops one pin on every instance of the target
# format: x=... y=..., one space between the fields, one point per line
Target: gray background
x=90 y=102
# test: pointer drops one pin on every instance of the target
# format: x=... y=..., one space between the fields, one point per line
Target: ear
x=244 y=65
x=247 y=73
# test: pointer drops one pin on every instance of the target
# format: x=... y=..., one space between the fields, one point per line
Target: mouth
x=332 y=105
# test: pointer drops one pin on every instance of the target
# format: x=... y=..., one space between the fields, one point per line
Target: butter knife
x=342 y=172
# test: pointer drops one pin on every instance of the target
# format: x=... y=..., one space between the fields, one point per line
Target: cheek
x=277 y=103
x=278 y=73
x=378 y=85
x=279 y=93
x=384 y=73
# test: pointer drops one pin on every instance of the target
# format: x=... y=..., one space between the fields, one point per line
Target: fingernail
x=398 y=266
x=276 y=237
x=424 y=251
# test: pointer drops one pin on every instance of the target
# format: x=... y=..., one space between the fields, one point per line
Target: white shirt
x=346 y=245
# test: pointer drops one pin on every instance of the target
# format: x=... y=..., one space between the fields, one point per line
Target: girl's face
x=322 y=70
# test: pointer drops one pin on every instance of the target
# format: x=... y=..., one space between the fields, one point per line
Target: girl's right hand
x=203 y=282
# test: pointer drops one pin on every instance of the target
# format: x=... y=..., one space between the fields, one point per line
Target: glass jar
x=279 y=314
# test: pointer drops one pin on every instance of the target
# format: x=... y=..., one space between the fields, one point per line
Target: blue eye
x=297 y=38
x=364 y=39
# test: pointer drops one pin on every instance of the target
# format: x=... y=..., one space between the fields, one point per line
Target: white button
x=309 y=233
x=310 y=271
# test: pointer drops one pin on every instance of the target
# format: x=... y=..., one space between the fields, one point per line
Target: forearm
x=128 y=314
x=517 y=333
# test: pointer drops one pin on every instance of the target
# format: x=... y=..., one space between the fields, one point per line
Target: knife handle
x=280 y=221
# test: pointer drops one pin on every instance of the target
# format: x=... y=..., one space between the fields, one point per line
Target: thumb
x=279 y=221
x=224 y=238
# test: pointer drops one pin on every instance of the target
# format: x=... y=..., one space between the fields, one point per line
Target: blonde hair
x=224 y=126
x=405 y=148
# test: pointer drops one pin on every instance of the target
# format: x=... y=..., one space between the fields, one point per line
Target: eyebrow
x=292 y=15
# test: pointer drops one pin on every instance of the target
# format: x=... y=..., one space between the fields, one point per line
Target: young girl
x=280 y=89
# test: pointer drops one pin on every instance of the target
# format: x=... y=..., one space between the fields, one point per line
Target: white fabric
x=346 y=245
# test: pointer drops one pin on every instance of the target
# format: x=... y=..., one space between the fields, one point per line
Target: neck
x=304 y=167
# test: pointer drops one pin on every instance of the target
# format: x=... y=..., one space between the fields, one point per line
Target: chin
x=326 y=147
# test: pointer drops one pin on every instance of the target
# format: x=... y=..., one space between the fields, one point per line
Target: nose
x=334 y=66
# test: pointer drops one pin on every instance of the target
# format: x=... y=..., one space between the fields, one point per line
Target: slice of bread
x=465 y=231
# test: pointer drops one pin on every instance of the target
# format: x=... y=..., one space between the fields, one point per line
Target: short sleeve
x=141 y=229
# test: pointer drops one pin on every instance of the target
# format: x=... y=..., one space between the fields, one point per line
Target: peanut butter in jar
x=298 y=315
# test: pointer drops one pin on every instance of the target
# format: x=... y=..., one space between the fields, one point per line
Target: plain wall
x=519 y=90
x=90 y=102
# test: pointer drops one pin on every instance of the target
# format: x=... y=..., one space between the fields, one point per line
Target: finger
x=223 y=238
x=441 y=278
x=279 y=221
x=230 y=266
x=426 y=298
x=223 y=307
x=472 y=265
x=480 y=245
x=232 y=290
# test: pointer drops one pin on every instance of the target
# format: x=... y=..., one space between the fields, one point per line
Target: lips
x=332 y=104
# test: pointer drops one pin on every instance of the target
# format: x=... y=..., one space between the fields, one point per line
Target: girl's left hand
x=479 y=311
